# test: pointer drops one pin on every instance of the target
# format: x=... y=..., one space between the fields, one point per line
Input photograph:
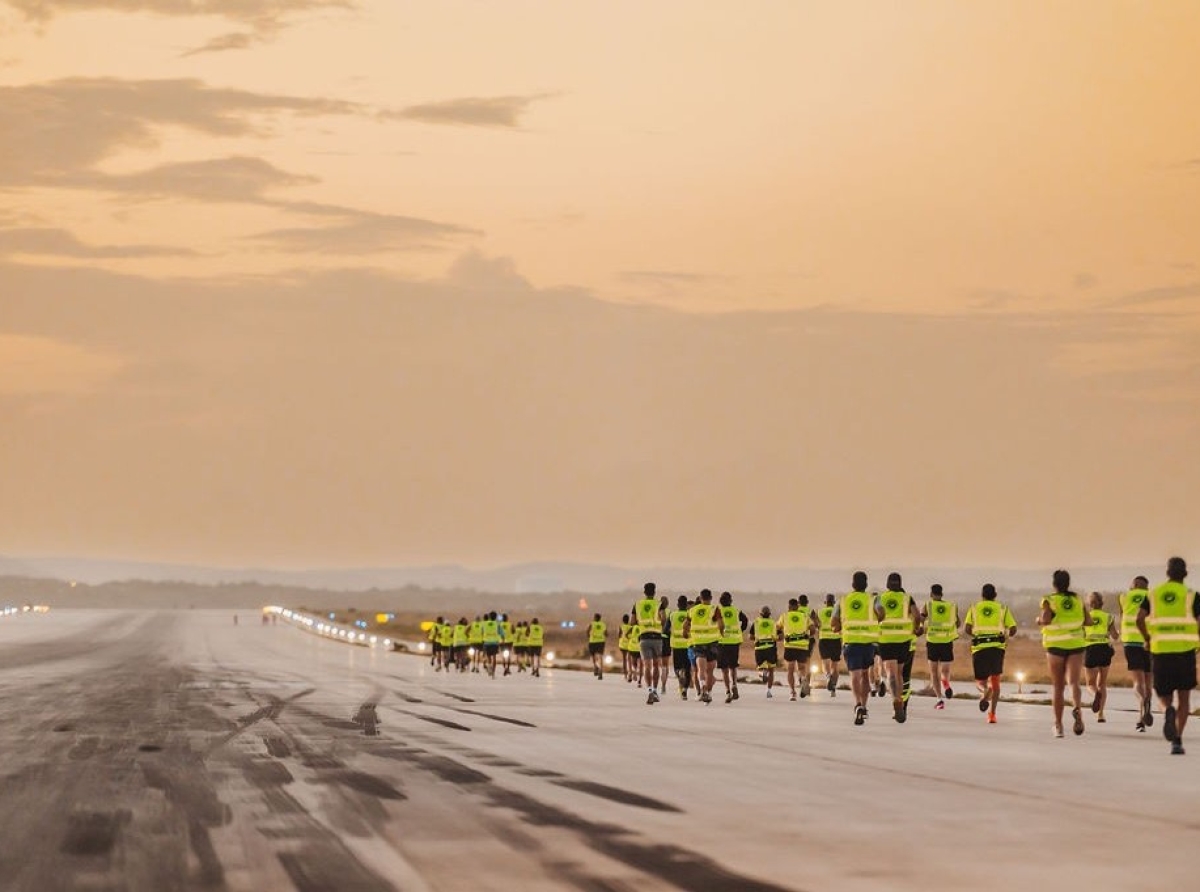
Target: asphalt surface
x=177 y=751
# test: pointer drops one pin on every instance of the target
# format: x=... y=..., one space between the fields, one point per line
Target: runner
x=1097 y=656
x=445 y=645
x=829 y=644
x=664 y=658
x=536 y=637
x=506 y=643
x=701 y=629
x=732 y=624
x=766 y=652
x=491 y=642
x=1063 y=619
x=854 y=618
x=649 y=631
x=677 y=621
x=458 y=647
x=623 y=645
x=597 y=633
x=990 y=624
x=897 y=615
x=796 y=629
x=1167 y=620
x=475 y=643
x=1137 y=657
x=435 y=646
x=941 y=628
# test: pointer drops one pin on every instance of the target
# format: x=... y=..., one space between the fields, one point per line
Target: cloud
x=68 y=126
x=359 y=232
x=50 y=242
x=667 y=278
x=262 y=14
x=1084 y=281
x=1152 y=297
x=493 y=111
x=238 y=40
x=236 y=178
x=433 y=412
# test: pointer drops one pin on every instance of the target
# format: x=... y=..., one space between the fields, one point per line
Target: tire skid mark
x=494 y=718
x=270 y=711
x=615 y=794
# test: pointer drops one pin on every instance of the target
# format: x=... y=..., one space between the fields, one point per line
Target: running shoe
x=949 y=693
x=860 y=715
x=984 y=702
x=1147 y=715
x=769 y=694
x=729 y=697
x=991 y=718
x=1057 y=729
x=650 y=699
x=941 y=704
x=1176 y=747
x=805 y=687
x=793 y=696
x=1077 y=715
x=1100 y=718
x=1096 y=702
x=706 y=697
x=735 y=692
x=654 y=696
x=899 y=713
x=683 y=693
x=1141 y=727
x=1169 y=723
x=882 y=688
x=830 y=684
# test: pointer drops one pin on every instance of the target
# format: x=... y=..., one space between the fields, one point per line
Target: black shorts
x=706 y=651
x=1064 y=651
x=1174 y=672
x=491 y=649
x=1137 y=658
x=1097 y=656
x=595 y=647
x=830 y=649
x=533 y=650
x=727 y=655
x=766 y=657
x=796 y=654
x=940 y=652
x=859 y=656
x=679 y=659
x=895 y=650
x=988 y=662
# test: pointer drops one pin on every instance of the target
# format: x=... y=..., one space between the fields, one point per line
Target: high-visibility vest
x=1131 y=604
x=897 y=624
x=647 y=614
x=764 y=632
x=703 y=624
x=1097 y=632
x=536 y=635
x=475 y=632
x=679 y=641
x=460 y=635
x=825 y=632
x=988 y=629
x=858 y=619
x=795 y=625
x=1065 y=630
x=1171 y=625
x=597 y=632
x=941 y=622
x=733 y=626
x=446 y=635
x=491 y=631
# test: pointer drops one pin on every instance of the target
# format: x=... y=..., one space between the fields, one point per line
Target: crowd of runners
x=876 y=635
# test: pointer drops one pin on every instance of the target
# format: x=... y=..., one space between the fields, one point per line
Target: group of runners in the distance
x=876 y=635
x=489 y=642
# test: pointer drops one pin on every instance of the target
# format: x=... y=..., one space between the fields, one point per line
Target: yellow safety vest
x=703 y=624
x=987 y=626
x=1097 y=632
x=597 y=631
x=1131 y=604
x=941 y=622
x=733 y=626
x=1171 y=625
x=679 y=641
x=1065 y=630
x=460 y=635
x=795 y=628
x=536 y=635
x=825 y=632
x=764 y=632
x=647 y=616
x=897 y=624
x=858 y=619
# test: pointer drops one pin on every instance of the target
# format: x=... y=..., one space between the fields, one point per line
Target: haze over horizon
x=325 y=283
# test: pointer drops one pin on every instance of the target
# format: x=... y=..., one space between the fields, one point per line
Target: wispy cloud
x=237 y=40
x=359 y=232
x=258 y=13
x=68 y=126
x=667 y=277
x=51 y=242
x=237 y=178
x=477 y=111
x=1150 y=297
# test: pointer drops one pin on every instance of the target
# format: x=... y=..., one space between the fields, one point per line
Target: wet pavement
x=178 y=751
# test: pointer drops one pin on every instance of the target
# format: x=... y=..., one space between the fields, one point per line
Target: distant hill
x=547 y=577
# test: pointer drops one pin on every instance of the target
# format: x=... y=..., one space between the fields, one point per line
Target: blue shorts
x=859 y=656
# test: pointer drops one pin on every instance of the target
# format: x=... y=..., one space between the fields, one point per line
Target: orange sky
x=318 y=282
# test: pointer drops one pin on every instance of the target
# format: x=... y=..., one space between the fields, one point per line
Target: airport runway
x=177 y=751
